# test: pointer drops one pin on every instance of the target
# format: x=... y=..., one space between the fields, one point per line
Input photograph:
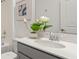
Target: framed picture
x=22 y=10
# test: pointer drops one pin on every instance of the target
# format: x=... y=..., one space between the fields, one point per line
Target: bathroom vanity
x=34 y=49
x=28 y=52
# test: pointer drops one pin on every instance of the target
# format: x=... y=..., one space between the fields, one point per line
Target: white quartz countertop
x=69 y=52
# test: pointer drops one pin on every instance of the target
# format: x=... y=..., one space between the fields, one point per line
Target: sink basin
x=48 y=43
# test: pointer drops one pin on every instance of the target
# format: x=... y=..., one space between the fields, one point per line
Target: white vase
x=37 y=35
x=34 y=36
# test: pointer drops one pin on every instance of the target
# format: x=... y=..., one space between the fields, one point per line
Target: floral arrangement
x=40 y=24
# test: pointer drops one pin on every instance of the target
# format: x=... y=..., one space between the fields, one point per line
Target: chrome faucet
x=53 y=36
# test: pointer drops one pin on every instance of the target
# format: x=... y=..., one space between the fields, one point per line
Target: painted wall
x=22 y=29
x=49 y=8
x=7 y=20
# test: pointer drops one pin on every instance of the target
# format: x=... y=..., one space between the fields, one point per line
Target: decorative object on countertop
x=39 y=26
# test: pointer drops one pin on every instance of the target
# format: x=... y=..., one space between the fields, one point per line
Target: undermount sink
x=48 y=43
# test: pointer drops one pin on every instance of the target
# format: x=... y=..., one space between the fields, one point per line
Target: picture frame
x=22 y=10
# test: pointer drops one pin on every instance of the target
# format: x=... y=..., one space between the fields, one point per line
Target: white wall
x=7 y=21
x=49 y=8
x=18 y=0
x=21 y=29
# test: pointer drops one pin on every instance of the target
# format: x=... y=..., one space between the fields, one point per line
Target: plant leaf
x=47 y=26
x=36 y=26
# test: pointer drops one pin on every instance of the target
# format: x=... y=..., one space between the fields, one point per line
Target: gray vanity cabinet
x=21 y=56
x=28 y=52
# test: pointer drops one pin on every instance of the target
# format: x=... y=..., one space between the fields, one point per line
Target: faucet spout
x=53 y=36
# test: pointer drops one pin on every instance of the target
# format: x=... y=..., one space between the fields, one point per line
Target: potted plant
x=39 y=26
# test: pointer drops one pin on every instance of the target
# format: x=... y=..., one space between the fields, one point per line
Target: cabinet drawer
x=21 y=56
x=34 y=53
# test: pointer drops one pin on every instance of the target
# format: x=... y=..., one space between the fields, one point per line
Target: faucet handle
x=51 y=36
x=51 y=33
x=54 y=36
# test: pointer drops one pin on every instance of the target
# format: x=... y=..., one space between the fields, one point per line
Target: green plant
x=40 y=25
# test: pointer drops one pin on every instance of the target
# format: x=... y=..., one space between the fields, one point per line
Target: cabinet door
x=35 y=53
x=69 y=16
x=21 y=56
